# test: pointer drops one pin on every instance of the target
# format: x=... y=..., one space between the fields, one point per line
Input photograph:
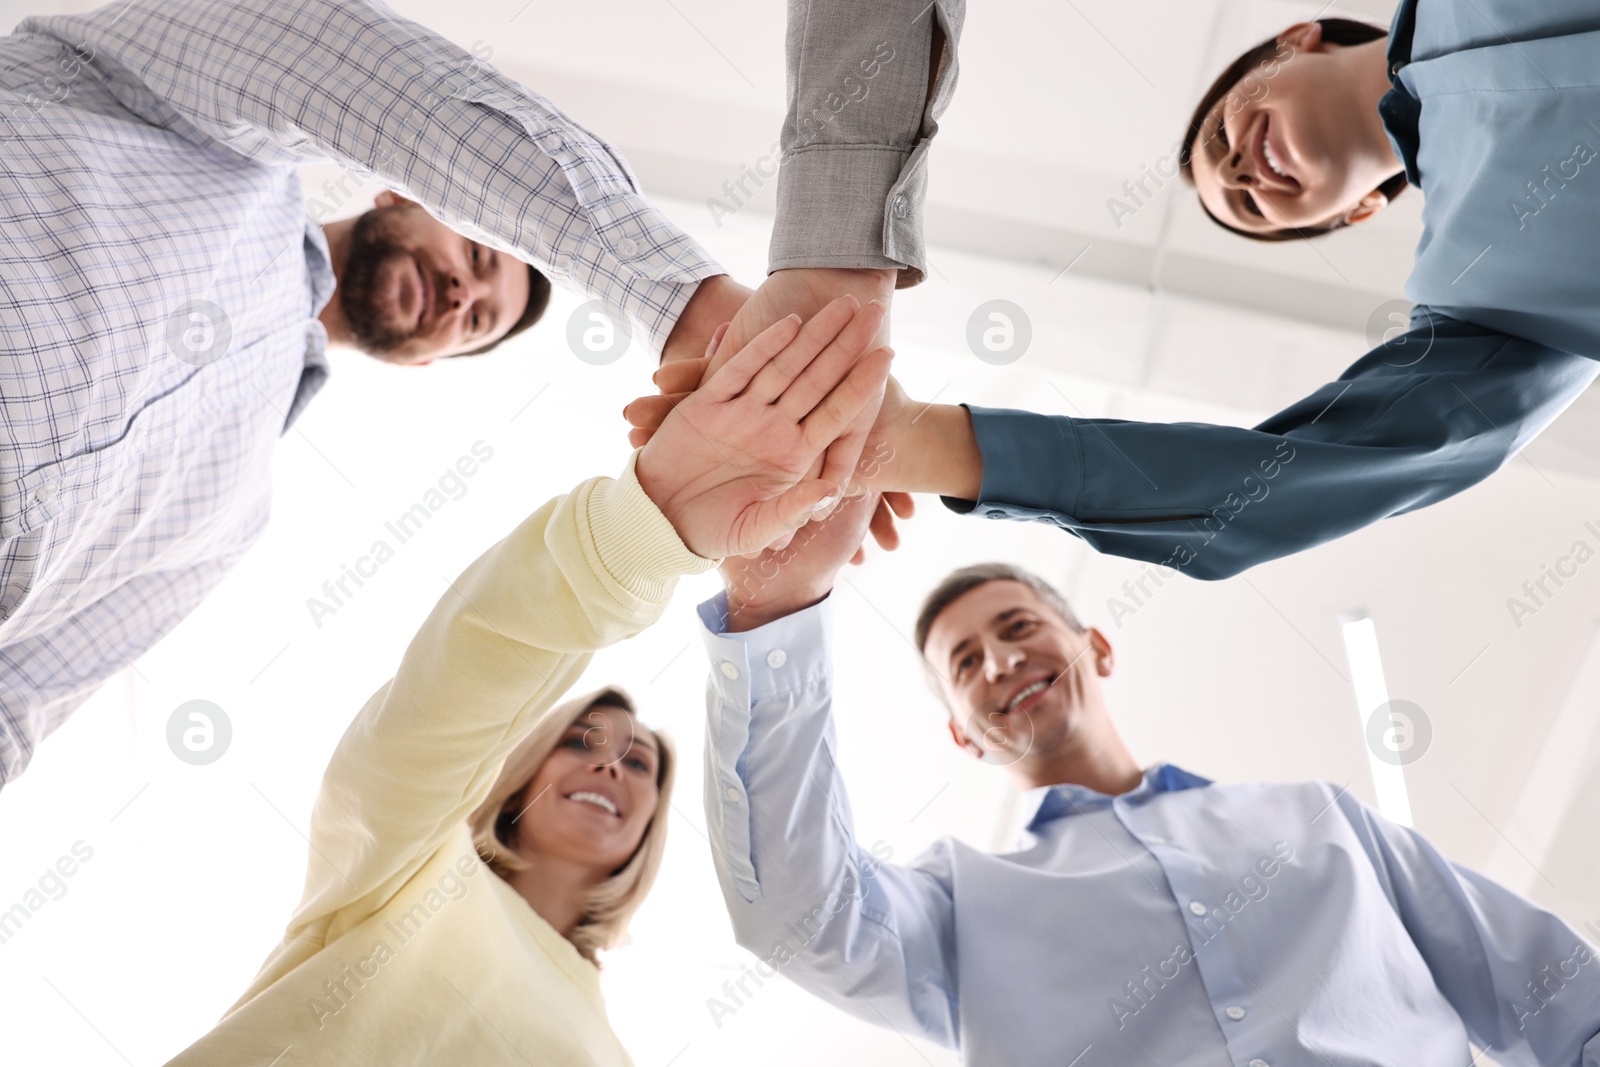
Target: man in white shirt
x=1148 y=915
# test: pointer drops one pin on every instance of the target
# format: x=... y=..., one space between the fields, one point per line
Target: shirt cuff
x=1032 y=465
x=633 y=541
x=756 y=665
x=646 y=267
x=746 y=670
x=870 y=199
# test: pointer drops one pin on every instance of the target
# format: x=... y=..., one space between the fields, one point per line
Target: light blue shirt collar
x=1047 y=803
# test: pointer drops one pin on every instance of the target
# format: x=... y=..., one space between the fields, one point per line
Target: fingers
x=883 y=526
x=649 y=412
x=839 y=464
x=682 y=375
x=763 y=523
x=822 y=373
x=843 y=321
x=732 y=377
x=904 y=504
x=716 y=339
x=862 y=386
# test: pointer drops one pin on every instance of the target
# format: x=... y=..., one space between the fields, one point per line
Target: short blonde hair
x=611 y=903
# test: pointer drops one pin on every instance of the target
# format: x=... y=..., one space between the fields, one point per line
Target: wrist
x=940 y=454
x=748 y=610
x=716 y=300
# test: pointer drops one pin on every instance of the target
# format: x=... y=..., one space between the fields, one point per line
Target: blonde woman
x=472 y=850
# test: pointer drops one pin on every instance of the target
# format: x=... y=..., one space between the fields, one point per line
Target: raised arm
x=867 y=84
x=586 y=570
x=1395 y=433
x=1526 y=985
x=830 y=914
x=288 y=81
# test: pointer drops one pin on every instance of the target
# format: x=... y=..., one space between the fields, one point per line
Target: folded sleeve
x=873 y=938
x=1415 y=421
x=350 y=81
x=1526 y=985
x=859 y=125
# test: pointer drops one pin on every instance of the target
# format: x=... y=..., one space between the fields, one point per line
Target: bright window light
x=1372 y=696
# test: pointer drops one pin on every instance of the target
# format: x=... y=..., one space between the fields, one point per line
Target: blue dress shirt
x=1183 y=923
x=1495 y=113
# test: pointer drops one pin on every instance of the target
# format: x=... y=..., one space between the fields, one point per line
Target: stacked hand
x=880 y=460
x=804 y=292
x=781 y=581
x=730 y=463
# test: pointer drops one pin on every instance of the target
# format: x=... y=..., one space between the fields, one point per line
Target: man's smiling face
x=1019 y=680
x=413 y=290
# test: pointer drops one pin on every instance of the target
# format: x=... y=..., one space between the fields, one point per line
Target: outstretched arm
x=867 y=84
x=290 y=82
x=1388 y=437
x=830 y=914
x=726 y=473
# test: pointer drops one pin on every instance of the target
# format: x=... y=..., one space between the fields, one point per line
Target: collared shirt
x=1183 y=923
x=160 y=282
x=1495 y=112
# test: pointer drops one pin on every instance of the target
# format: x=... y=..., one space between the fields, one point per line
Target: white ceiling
x=196 y=869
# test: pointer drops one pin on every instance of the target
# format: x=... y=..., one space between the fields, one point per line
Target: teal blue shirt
x=1495 y=112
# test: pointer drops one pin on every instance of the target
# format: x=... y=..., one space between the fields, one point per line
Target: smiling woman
x=570 y=823
x=1287 y=142
x=471 y=842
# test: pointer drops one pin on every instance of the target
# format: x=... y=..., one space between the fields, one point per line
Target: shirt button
x=777 y=658
x=554 y=143
x=1235 y=1013
x=899 y=205
x=1154 y=840
x=1258 y=1063
x=733 y=794
x=45 y=493
x=1197 y=907
x=729 y=670
x=627 y=248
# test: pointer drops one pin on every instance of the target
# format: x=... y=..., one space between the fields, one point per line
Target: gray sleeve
x=855 y=140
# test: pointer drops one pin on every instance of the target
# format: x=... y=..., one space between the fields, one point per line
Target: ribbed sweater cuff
x=636 y=544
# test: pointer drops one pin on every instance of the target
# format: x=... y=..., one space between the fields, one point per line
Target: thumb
x=772 y=519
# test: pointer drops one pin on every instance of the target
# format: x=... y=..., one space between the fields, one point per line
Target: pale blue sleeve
x=1526 y=985
x=873 y=938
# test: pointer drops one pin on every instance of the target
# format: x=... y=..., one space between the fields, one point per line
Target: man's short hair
x=538 y=300
x=1342 y=32
x=958 y=583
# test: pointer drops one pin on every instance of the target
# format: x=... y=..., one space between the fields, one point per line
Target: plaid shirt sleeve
x=350 y=81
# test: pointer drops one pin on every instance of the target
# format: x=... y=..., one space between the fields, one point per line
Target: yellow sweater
x=406 y=949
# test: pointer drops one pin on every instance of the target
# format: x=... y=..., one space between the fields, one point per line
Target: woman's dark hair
x=1343 y=32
